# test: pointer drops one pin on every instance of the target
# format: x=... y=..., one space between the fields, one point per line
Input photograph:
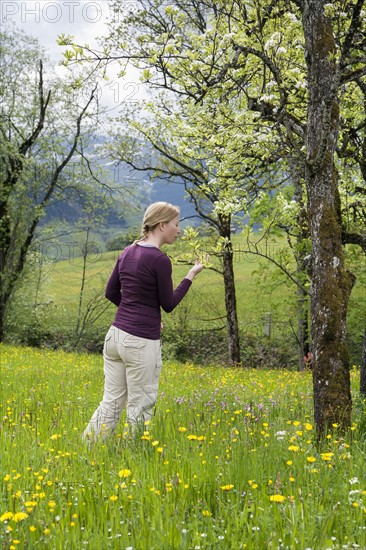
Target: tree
x=331 y=284
x=44 y=122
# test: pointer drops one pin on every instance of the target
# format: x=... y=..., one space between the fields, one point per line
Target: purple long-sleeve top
x=139 y=285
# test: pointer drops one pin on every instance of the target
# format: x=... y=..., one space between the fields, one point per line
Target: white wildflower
x=353 y=481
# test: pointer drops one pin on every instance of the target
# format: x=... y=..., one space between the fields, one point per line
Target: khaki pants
x=132 y=367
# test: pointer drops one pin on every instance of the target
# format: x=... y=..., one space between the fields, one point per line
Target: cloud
x=46 y=19
x=86 y=20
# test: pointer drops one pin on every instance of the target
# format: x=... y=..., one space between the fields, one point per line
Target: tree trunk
x=231 y=310
x=230 y=294
x=303 y=332
x=363 y=367
x=330 y=283
x=2 y=318
x=303 y=335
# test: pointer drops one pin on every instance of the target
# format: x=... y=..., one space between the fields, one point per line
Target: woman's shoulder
x=162 y=261
x=135 y=248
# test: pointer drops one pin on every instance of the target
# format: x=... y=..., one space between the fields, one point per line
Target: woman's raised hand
x=197 y=268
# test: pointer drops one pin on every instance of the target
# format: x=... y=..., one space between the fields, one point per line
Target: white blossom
x=300 y=85
x=271 y=84
x=266 y=97
x=273 y=41
x=292 y=17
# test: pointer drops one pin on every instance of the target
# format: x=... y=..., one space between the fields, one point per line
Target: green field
x=203 y=307
x=228 y=462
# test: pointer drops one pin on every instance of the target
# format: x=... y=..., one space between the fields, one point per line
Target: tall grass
x=228 y=461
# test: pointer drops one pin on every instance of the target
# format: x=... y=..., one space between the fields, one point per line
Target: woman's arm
x=113 y=289
x=169 y=298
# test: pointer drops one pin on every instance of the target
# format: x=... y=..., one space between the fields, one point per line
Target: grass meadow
x=229 y=461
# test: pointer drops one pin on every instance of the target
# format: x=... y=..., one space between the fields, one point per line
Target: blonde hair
x=156 y=213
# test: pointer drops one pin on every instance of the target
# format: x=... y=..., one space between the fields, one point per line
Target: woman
x=140 y=284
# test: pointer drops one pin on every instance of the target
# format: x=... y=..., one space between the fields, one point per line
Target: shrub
x=122 y=240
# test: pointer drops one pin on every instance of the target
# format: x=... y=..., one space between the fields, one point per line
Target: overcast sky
x=85 y=20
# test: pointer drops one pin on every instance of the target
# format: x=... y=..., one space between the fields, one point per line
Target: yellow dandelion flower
x=277 y=498
x=206 y=513
x=46 y=531
x=327 y=456
x=159 y=449
x=182 y=429
x=191 y=437
x=19 y=516
x=7 y=477
x=294 y=448
x=6 y=516
x=32 y=528
x=227 y=487
x=355 y=504
x=55 y=436
x=113 y=498
x=124 y=473
x=154 y=443
x=311 y=459
x=308 y=426
x=51 y=503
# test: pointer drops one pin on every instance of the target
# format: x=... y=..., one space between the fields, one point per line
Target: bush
x=197 y=346
x=211 y=347
x=124 y=239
